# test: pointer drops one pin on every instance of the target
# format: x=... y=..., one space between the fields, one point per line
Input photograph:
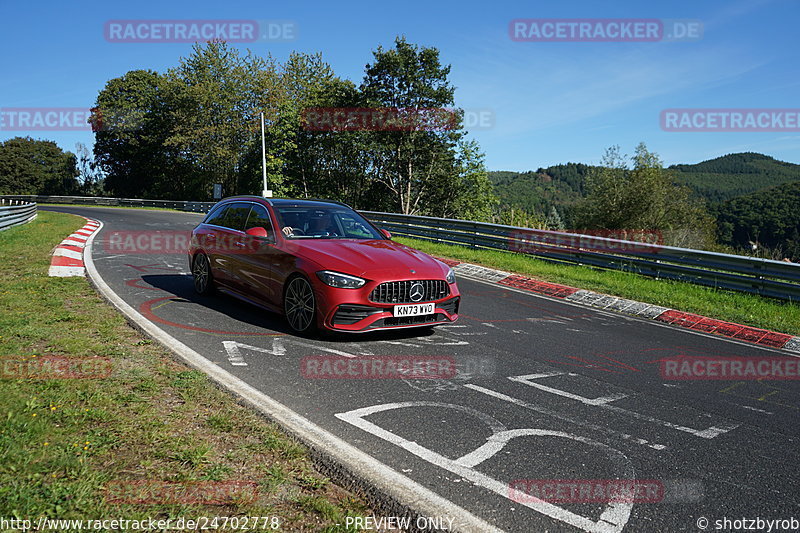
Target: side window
x=217 y=216
x=259 y=217
x=235 y=216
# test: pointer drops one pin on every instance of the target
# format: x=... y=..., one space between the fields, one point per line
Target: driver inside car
x=321 y=224
x=318 y=224
x=292 y=225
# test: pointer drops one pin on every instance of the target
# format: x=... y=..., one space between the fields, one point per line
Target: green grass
x=62 y=442
x=731 y=306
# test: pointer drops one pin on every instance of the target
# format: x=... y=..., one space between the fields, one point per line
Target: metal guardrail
x=775 y=279
x=15 y=212
x=182 y=205
x=766 y=277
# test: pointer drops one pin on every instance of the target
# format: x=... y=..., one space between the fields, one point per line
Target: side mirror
x=386 y=233
x=257 y=232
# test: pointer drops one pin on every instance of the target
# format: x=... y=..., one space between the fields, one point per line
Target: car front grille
x=399 y=292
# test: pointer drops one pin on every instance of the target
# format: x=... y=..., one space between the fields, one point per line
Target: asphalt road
x=569 y=393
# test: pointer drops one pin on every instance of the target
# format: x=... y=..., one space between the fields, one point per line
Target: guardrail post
x=474 y=236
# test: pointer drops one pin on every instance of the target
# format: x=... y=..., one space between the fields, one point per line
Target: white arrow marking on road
x=603 y=403
x=235 y=355
x=527 y=380
x=564 y=418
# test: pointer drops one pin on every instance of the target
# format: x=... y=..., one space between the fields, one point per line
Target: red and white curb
x=673 y=317
x=67 y=258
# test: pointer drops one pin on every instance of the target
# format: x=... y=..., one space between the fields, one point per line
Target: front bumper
x=351 y=311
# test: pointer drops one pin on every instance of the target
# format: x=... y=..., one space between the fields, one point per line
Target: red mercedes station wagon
x=320 y=264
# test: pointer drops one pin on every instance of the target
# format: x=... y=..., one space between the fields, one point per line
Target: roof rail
x=245 y=196
x=324 y=200
x=288 y=199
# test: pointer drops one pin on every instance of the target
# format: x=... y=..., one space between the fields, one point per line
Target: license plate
x=413 y=309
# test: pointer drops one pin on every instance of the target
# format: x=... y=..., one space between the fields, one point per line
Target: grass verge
x=732 y=306
x=152 y=430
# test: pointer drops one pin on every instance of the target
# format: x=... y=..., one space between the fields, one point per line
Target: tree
x=643 y=197
x=219 y=97
x=554 y=221
x=132 y=122
x=90 y=176
x=769 y=218
x=409 y=162
x=174 y=135
x=466 y=193
x=29 y=166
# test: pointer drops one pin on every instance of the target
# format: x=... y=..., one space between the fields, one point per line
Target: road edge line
x=384 y=488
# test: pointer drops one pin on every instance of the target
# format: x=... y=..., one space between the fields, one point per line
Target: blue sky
x=551 y=102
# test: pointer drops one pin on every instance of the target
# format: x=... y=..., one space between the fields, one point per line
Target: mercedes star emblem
x=416 y=292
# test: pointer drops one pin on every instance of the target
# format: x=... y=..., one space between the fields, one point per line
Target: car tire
x=201 y=274
x=299 y=305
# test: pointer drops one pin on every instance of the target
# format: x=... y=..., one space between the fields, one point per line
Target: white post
x=266 y=192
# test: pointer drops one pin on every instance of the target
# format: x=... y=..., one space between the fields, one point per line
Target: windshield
x=304 y=222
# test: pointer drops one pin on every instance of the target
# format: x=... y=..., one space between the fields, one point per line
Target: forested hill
x=770 y=218
x=735 y=175
x=537 y=191
x=716 y=180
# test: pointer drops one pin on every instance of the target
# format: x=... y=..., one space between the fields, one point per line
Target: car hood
x=371 y=259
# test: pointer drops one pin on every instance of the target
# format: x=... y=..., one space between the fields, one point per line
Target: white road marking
x=440 y=340
x=757 y=410
x=604 y=403
x=564 y=418
x=234 y=348
x=400 y=343
x=460 y=333
x=588 y=401
x=613 y=518
x=322 y=348
x=359 y=349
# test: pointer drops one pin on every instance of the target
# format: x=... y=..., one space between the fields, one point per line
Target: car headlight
x=451 y=276
x=339 y=280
